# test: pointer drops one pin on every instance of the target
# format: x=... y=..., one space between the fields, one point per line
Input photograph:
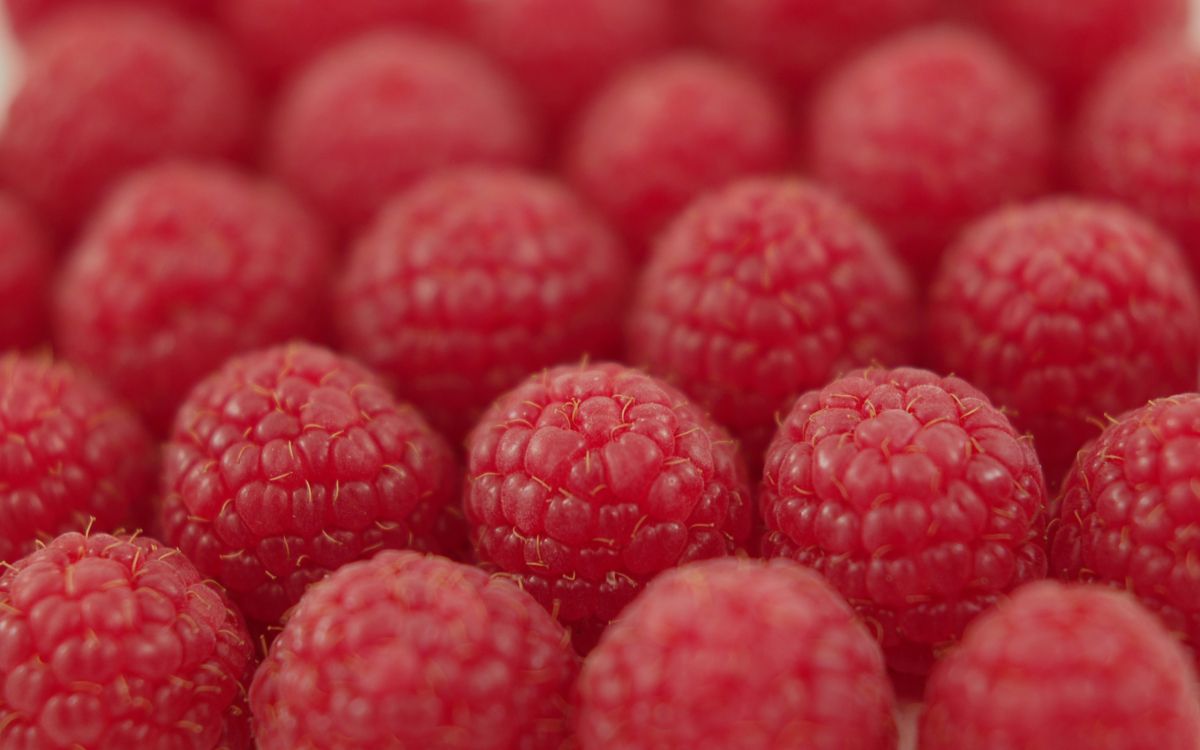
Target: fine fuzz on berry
x=26 y=264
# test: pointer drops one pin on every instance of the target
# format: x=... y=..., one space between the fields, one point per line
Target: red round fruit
x=409 y=651
x=913 y=496
x=184 y=266
x=26 y=15
x=26 y=265
x=473 y=279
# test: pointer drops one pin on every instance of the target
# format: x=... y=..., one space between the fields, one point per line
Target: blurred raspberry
x=116 y=642
x=1063 y=666
x=408 y=651
x=474 y=279
x=587 y=480
x=762 y=291
x=736 y=653
x=184 y=266
x=26 y=265
x=913 y=496
x=25 y=15
x=1064 y=311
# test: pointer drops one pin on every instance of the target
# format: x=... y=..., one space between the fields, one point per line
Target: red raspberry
x=26 y=264
x=587 y=480
x=736 y=653
x=669 y=130
x=108 y=89
x=928 y=131
x=472 y=280
x=116 y=642
x=290 y=462
x=1063 y=666
x=913 y=496
x=408 y=651
x=1139 y=141
x=184 y=266
x=25 y=15
x=406 y=106
x=762 y=291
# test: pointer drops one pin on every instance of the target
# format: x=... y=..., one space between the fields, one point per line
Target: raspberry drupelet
x=117 y=642
x=587 y=480
x=26 y=266
x=764 y=290
x=1063 y=666
x=27 y=15
x=914 y=496
x=1064 y=311
x=736 y=654
x=410 y=651
x=473 y=279
x=289 y=462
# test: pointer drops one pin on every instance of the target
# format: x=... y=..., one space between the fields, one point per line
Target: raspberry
x=70 y=455
x=408 y=651
x=406 y=106
x=762 y=291
x=474 y=279
x=1063 y=666
x=586 y=481
x=25 y=15
x=928 y=131
x=116 y=642
x=184 y=266
x=667 y=131
x=1065 y=310
x=26 y=264
x=290 y=462
x=1139 y=141
x=913 y=496
x=736 y=653
x=108 y=89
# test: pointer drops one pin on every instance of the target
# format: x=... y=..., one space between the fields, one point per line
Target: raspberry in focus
x=473 y=279
x=117 y=642
x=410 y=651
x=764 y=290
x=1064 y=311
x=26 y=265
x=184 y=266
x=736 y=653
x=914 y=496
x=26 y=15
x=1063 y=666
x=587 y=480
x=290 y=462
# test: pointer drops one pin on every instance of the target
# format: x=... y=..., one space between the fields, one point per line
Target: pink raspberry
x=1063 y=666
x=929 y=130
x=25 y=15
x=913 y=496
x=409 y=651
x=1065 y=311
x=474 y=279
x=290 y=462
x=184 y=266
x=406 y=106
x=108 y=89
x=1139 y=141
x=736 y=653
x=26 y=265
x=71 y=456
x=117 y=642
x=587 y=480
x=764 y=290
x=667 y=131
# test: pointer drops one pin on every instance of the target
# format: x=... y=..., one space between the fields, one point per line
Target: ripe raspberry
x=736 y=653
x=108 y=89
x=1139 y=141
x=406 y=106
x=26 y=264
x=116 y=642
x=290 y=462
x=184 y=266
x=25 y=15
x=409 y=651
x=928 y=131
x=474 y=279
x=586 y=481
x=1063 y=666
x=913 y=496
x=667 y=131
x=762 y=291
x=1065 y=311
